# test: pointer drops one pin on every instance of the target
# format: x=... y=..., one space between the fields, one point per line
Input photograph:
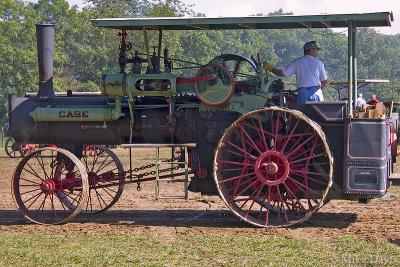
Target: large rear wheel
x=273 y=167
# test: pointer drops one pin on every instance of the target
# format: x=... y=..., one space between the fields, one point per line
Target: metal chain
x=144 y=167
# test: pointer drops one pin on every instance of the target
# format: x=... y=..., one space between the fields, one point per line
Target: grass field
x=103 y=249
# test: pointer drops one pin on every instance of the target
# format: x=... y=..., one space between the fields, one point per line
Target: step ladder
x=168 y=162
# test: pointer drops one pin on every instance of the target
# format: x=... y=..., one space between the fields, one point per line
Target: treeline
x=84 y=52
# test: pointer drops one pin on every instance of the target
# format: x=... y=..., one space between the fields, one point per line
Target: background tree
x=83 y=52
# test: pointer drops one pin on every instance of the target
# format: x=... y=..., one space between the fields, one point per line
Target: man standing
x=310 y=72
x=360 y=103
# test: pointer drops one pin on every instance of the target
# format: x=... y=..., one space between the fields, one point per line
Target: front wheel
x=11 y=148
x=273 y=167
x=45 y=180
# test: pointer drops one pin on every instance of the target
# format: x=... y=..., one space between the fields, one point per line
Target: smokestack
x=45 y=47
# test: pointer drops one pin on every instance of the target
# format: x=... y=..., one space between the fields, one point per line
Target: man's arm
x=278 y=72
x=323 y=76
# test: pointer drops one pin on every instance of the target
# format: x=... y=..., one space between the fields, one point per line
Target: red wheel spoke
x=33 y=171
x=29 y=181
x=293 y=197
x=102 y=166
x=312 y=173
x=43 y=203
x=96 y=157
x=235 y=163
x=34 y=200
x=99 y=198
x=241 y=150
x=307 y=158
x=307 y=152
x=305 y=177
x=302 y=187
x=236 y=177
x=108 y=193
x=262 y=134
x=240 y=183
x=52 y=205
x=290 y=136
x=42 y=165
x=71 y=195
x=249 y=139
x=298 y=140
x=281 y=207
x=253 y=200
x=27 y=192
x=276 y=132
x=300 y=146
x=244 y=170
x=108 y=188
x=238 y=154
x=90 y=201
x=246 y=188
x=251 y=196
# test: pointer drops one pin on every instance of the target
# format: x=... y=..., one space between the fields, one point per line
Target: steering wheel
x=214 y=85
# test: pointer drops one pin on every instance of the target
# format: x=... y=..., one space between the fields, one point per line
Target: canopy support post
x=354 y=65
x=350 y=68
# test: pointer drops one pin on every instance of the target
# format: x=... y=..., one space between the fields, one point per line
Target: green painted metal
x=257 y=22
x=246 y=103
x=123 y=84
x=72 y=114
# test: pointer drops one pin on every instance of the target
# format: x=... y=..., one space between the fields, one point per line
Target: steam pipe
x=45 y=35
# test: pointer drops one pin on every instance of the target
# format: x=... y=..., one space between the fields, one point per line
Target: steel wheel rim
x=45 y=188
x=245 y=172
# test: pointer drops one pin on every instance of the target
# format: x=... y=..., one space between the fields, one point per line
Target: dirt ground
x=138 y=211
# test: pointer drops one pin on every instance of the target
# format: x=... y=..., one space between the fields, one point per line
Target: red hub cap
x=48 y=186
x=272 y=168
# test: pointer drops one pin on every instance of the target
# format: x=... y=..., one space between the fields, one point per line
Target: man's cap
x=310 y=45
x=359 y=95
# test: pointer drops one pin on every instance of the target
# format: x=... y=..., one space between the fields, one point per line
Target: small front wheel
x=45 y=180
x=11 y=148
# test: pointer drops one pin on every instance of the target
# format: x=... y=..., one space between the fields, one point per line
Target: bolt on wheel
x=45 y=180
x=273 y=167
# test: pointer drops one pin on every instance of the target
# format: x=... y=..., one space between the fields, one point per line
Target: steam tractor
x=273 y=162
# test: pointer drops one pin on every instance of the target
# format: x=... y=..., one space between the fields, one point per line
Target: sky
x=236 y=8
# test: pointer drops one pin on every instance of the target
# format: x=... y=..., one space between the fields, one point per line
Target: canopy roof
x=256 y=22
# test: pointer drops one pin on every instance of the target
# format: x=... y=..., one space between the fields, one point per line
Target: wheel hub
x=48 y=186
x=272 y=168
